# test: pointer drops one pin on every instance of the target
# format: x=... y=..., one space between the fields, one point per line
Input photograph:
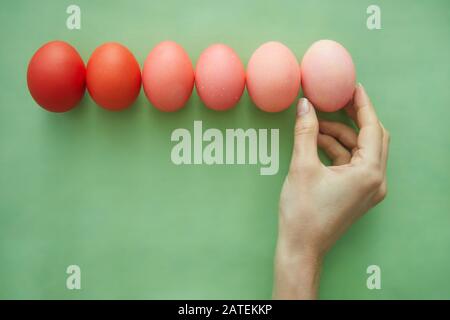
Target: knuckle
x=375 y=179
x=383 y=190
x=305 y=127
x=325 y=142
x=379 y=130
x=371 y=166
x=381 y=194
x=372 y=176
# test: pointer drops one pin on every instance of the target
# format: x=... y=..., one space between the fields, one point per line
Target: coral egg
x=168 y=76
x=219 y=77
x=273 y=77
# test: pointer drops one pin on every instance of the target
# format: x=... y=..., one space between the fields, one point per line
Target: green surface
x=98 y=189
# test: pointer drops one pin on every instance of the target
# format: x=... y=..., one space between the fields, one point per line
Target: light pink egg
x=328 y=75
x=168 y=76
x=219 y=77
x=273 y=77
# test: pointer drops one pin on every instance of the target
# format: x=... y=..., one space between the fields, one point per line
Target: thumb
x=306 y=132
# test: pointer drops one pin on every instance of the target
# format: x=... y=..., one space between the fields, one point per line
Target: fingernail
x=302 y=107
x=363 y=93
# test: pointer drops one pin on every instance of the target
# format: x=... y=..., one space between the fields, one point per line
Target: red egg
x=219 y=77
x=328 y=75
x=56 y=76
x=168 y=76
x=273 y=77
x=113 y=76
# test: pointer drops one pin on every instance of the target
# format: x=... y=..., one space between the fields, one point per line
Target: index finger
x=370 y=138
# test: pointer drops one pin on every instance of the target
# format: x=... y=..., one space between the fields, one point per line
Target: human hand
x=318 y=203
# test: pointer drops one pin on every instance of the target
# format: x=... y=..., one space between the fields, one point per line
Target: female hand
x=318 y=203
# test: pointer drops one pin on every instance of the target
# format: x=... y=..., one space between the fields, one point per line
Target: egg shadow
x=67 y=125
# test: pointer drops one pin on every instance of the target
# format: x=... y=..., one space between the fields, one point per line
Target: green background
x=98 y=189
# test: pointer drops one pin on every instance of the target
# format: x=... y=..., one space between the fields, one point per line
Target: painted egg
x=219 y=77
x=56 y=77
x=273 y=77
x=113 y=76
x=328 y=75
x=168 y=76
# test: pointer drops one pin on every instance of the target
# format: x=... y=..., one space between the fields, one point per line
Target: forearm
x=296 y=274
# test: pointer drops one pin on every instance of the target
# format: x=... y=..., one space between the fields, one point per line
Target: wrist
x=297 y=271
x=298 y=243
x=292 y=253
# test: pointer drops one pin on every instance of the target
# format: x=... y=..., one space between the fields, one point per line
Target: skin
x=319 y=203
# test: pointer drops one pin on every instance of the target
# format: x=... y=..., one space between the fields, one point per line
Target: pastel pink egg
x=168 y=76
x=328 y=75
x=219 y=77
x=273 y=77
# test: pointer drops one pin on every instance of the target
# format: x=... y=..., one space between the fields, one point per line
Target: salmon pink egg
x=56 y=76
x=328 y=75
x=113 y=76
x=273 y=77
x=219 y=77
x=168 y=76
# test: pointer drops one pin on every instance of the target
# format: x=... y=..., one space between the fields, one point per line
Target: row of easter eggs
x=57 y=77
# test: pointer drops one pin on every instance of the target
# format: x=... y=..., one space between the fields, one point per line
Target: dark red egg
x=56 y=76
